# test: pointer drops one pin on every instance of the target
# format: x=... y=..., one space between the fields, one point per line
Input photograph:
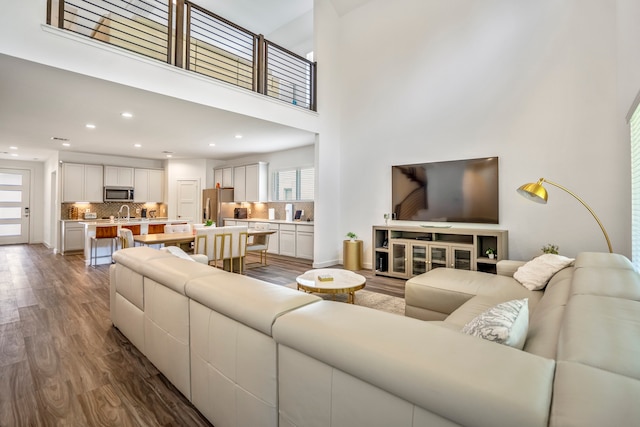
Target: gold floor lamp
x=537 y=193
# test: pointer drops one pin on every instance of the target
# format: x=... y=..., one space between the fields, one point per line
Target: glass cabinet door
x=462 y=258
x=418 y=259
x=398 y=258
x=437 y=257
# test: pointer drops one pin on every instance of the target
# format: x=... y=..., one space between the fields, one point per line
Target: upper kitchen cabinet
x=239 y=184
x=250 y=183
x=116 y=176
x=82 y=183
x=148 y=185
x=223 y=176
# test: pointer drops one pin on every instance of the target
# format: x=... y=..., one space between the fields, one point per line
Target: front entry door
x=188 y=199
x=14 y=206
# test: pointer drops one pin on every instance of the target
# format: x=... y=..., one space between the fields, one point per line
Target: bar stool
x=108 y=232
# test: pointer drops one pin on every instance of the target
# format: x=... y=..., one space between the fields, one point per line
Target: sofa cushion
x=505 y=323
x=438 y=293
x=535 y=274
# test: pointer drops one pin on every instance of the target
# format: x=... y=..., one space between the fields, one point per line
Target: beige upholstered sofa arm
x=507 y=267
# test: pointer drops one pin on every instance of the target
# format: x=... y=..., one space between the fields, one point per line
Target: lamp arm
x=606 y=236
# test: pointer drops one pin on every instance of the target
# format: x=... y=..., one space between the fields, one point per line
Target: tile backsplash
x=105 y=210
x=261 y=210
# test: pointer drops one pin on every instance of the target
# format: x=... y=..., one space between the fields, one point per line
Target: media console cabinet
x=406 y=251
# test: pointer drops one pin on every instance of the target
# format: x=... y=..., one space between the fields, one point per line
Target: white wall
x=535 y=83
x=329 y=212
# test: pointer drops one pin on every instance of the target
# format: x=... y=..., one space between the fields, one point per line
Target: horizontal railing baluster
x=188 y=36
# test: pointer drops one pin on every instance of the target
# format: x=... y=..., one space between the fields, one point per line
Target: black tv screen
x=451 y=191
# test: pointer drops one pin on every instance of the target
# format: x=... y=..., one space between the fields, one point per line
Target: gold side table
x=352 y=255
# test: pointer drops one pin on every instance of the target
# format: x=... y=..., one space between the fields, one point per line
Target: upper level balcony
x=186 y=35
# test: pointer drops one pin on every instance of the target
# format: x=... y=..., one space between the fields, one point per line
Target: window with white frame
x=294 y=184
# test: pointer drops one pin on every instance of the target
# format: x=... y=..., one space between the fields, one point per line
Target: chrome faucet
x=128 y=212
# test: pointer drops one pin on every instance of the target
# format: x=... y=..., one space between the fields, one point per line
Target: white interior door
x=14 y=206
x=188 y=199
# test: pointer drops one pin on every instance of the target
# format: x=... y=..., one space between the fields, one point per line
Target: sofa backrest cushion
x=546 y=319
x=249 y=301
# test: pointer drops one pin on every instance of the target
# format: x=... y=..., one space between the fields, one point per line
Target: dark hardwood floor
x=62 y=362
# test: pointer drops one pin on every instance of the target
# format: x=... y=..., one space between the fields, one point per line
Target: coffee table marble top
x=344 y=282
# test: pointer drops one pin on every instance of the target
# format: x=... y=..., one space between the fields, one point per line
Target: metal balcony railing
x=190 y=37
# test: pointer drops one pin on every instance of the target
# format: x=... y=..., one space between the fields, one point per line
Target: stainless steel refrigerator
x=212 y=204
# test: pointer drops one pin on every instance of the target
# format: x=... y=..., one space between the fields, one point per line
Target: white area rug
x=369 y=299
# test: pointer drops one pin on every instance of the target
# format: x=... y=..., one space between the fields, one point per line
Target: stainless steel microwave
x=118 y=194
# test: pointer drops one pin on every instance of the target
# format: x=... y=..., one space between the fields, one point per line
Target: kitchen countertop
x=133 y=221
x=272 y=221
x=105 y=221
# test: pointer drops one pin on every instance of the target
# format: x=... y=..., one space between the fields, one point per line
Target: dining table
x=171 y=239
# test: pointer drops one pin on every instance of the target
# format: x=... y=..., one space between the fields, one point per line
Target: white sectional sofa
x=258 y=354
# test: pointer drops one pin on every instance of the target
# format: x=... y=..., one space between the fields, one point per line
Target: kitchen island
x=103 y=251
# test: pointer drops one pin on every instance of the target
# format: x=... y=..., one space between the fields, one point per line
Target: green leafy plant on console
x=550 y=249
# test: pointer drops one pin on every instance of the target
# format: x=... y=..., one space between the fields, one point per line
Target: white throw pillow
x=176 y=251
x=535 y=274
x=506 y=323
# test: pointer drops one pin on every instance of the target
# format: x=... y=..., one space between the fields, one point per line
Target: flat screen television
x=450 y=191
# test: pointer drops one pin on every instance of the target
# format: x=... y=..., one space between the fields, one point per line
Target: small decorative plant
x=352 y=235
x=490 y=252
x=209 y=223
x=550 y=249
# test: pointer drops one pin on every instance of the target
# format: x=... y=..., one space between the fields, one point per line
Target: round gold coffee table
x=342 y=282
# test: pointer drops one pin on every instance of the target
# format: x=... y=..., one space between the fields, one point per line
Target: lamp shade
x=534 y=192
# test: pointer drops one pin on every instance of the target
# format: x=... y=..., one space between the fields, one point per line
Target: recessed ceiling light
x=66 y=144
x=137 y=145
x=14 y=154
x=13 y=148
x=90 y=126
x=126 y=115
x=212 y=145
x=238 y=136
x=169 y=156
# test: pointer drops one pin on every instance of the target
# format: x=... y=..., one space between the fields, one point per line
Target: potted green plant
x=550 y=248
x=490 y=252
x=352 y=236
x=210 y=223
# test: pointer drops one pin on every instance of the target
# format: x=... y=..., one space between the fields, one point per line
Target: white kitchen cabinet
x=239 y=184
x=148 y=185
x=72 y=237
x=274 y=239
x=287 y=240
x=117 y=176
x=250 y=183
x=304 y=241
x=256 y=177
x=223 y=176
x=217 y=177
x=82 y=183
